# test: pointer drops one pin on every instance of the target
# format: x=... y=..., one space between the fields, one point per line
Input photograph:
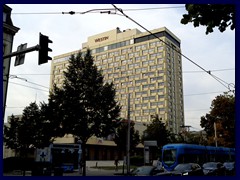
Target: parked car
x=189 y=169
x=214 y=169
x=145 y=171
x=230 y=168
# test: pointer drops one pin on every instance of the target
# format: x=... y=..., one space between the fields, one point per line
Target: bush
x=137 y=160
x=17 y=163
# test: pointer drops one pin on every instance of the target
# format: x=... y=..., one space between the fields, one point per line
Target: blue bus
x=174 y=154
x=66 y=156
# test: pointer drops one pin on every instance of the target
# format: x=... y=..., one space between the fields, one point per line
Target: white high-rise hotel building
x=141 y=65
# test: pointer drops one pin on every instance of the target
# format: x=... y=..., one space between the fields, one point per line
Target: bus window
x=181 y=159
x=169 y=157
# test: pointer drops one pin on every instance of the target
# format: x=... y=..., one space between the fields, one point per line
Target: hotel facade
x=142 y=67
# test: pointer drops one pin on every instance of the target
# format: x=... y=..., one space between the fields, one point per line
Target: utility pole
x=128 y=136
x=185 y=130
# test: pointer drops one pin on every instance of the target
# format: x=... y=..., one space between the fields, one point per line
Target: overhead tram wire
x=27 y=86
x=209 y=72
x=108 y=11
x=52 y=74
x=214 y=70
x=203 y=93
x=94 y=10
x=25 y=80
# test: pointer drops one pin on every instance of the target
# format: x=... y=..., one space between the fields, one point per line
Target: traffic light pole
x=34 y=48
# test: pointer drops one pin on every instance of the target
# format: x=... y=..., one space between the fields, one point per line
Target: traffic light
x=43 y=51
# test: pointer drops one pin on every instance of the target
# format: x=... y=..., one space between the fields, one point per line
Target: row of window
x=115 y=56
x=138 y=114
x=138 y=72
x=153 y=63
x=126 y=43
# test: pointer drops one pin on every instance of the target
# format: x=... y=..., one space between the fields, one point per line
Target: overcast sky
x=214 y=52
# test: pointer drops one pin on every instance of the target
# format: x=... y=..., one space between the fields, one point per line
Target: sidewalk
x=97 y=163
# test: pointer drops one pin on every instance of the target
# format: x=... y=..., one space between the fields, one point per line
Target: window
x=160 y=48
x=4 y=17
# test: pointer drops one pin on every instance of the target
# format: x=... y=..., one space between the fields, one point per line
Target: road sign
x=20 y=58
x=43 y=155
x=150 y=143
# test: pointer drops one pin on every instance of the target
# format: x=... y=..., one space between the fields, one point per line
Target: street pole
x=215 y=133
x=128 y=136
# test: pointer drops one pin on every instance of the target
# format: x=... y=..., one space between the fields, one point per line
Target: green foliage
x=223 y=114
x=84 y=106
x=156 y=131
x=210 y=15
x=121 y=136
x=17 y=163
x=137 y=160
x=10 y=133
x=31 y=131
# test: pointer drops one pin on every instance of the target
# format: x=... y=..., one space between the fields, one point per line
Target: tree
x=11 y=134
x=86 y=105
x=156 y=130
x=223 y=114
x=210 y=15
x=30 y=132
x=121 y=136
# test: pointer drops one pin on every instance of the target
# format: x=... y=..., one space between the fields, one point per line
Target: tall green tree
x=121 y=136
x=210 y=15
x=223 y=114
x=86 y=105
x=157 y=131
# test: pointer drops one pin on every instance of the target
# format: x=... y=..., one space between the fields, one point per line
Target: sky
x=214 y=52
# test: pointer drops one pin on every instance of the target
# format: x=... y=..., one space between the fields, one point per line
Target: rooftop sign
x=101 y=39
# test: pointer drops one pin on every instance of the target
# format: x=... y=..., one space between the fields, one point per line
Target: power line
x=28 y=86
x=33 y=74
x=196 y=94
x=38 y=84
x=108 y=10
x=137 y=9
x=195 y=110
x=203 y=93
x=215 y=70
x=15 y=107
x=14 y=76
x=101 y=11
x=209 y=72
